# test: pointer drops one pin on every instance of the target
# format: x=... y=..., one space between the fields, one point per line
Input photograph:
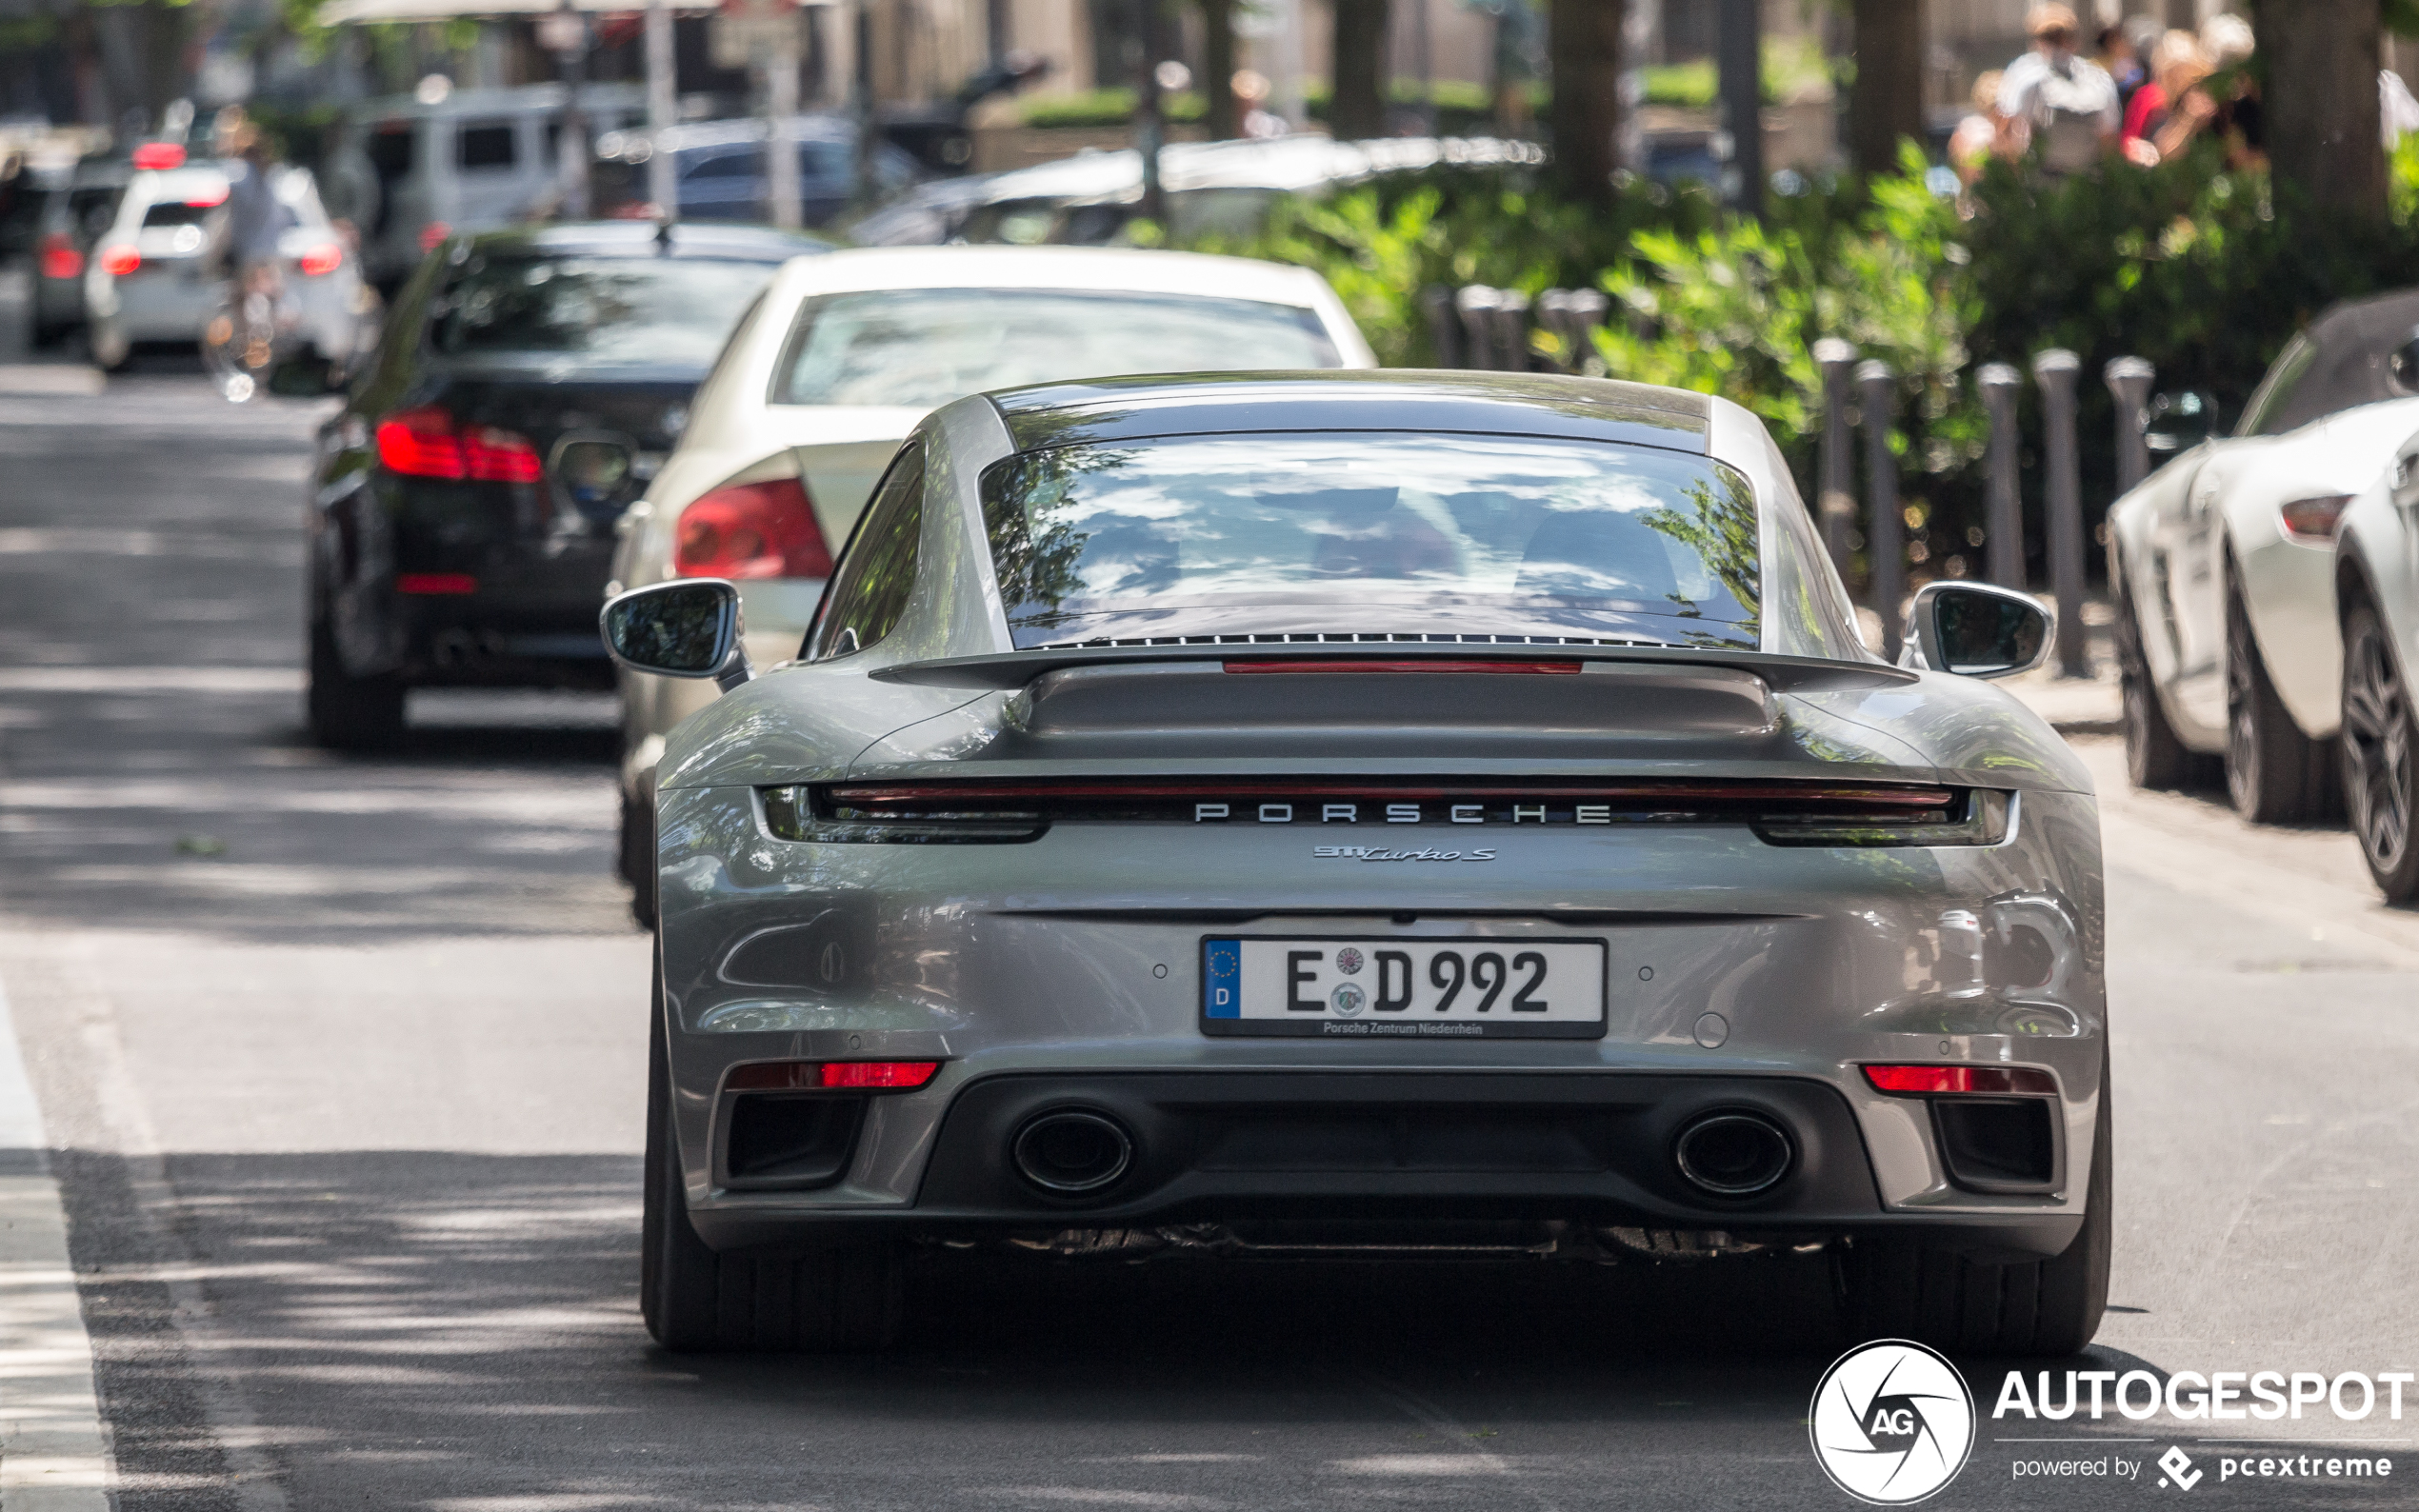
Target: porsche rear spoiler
x=1015 y=669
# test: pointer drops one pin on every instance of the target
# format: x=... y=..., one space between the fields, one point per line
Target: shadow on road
x=473 y=1322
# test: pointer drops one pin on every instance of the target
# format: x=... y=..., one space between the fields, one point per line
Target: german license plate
x=1391 y=987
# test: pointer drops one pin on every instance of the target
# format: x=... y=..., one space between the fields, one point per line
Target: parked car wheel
x=793 y=1301
x=1907 y=1289
x=2155 y=756
x=636 y=858
x=2381 y=780
x=349 y=713
x=2274 y=773
x=111 y=351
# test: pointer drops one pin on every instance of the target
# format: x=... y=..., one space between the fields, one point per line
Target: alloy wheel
x=2377 y=743
x=2243 y=754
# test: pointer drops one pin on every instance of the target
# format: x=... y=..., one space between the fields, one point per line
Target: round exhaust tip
x=1734 y=1154
x=1071 y=1153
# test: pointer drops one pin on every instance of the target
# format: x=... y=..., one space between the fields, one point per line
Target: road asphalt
x=339 y=1063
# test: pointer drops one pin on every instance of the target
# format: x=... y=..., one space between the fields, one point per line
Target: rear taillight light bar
x=832 y=1076
x=1933 y=1081
x=426 y=443
x=1803 y=814
x=1433 y=666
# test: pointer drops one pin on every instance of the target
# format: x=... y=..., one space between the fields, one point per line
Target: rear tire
x=111 y=351
x=2155 y=756
x=2381 y=769
x=1908 y=1289
x=2274 y=773
x=349 y=713
x=795 y=1301
x=636 y=858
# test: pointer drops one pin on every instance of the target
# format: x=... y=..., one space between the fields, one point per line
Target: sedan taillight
x=120 y=260
x=425 y=442
x=321 y=259
x=763 y=529
x=59 y=257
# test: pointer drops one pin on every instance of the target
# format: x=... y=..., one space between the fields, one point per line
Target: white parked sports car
x=1292 y=813
x=2223 y=563
x=829 y=370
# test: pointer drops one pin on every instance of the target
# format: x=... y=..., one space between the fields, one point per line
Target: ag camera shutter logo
x=1893 y=1422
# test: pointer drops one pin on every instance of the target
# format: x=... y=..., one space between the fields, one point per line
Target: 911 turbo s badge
x=1396 y=853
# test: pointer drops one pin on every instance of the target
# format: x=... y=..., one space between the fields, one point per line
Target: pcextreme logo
x=1891 y=1422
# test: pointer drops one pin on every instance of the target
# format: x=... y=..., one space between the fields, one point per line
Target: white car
x=833 y=367
x=410 y=173
x=2224 y=564
x=154 y=275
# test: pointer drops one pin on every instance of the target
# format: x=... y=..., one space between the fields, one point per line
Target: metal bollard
x=1573 y=315
x=1834 y=469
x=2056 y=371
x=1444 y=325
x=1476 y=305
x=1585 y=309
x=1998 y=383
x=1884 y=529
x=1512 y=332
x=2129 y=380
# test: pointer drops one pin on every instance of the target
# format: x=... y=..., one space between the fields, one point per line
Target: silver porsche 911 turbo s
x=1287 y=813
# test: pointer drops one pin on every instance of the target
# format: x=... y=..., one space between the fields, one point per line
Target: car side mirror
x=687 y=627
x=595 y=470
x=2179 y=422
x=1977 y=630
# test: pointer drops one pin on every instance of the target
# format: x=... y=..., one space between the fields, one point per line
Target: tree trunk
x=1585 y=115
x=1217 y=68
x=1358 y=109
x=1887 y=102
x=2320 y=101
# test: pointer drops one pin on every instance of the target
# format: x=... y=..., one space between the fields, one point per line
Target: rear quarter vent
x=790 y=1140
x=1998 y=1145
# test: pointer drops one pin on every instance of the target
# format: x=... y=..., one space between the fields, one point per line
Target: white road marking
x=55 y=1454
x=119 y=1102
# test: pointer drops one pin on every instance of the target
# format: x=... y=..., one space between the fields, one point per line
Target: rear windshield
x=925 y=347
x=176 y=213
x=629 y=309
x=1372 y=535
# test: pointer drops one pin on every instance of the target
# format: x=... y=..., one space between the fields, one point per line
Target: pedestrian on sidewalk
x=2064 y=105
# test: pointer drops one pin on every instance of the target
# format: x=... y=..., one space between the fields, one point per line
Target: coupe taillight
x=1917 y=1081
x=59 y=257
x=809 y=1076
x=763 y=529
x=120 y=260
x=425 y=442
x=2314 y=519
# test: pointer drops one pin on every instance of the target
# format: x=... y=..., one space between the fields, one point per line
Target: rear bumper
x=1403 y=1149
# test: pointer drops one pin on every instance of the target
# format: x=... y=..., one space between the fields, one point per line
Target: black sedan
x=526 y=386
